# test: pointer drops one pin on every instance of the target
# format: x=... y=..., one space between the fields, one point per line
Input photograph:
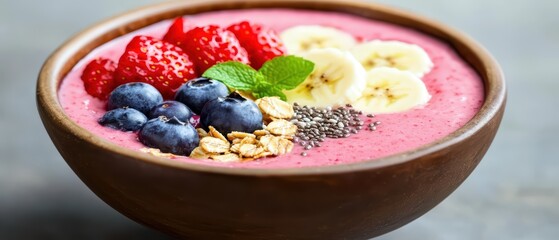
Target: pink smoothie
x=456 y=89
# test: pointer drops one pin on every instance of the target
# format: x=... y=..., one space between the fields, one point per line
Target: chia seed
x=315 y=124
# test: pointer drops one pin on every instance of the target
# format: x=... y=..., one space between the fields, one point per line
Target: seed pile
x=314 y=124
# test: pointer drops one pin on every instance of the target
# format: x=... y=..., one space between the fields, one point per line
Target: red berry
x=176 y=32
x=97 y=77
x=261 y=43
x=156 y=62
x=212 y=44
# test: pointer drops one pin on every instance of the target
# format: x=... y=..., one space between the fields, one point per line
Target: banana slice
x=303 y=38
x=337 y=79
x=390 y=90
x=400 y=55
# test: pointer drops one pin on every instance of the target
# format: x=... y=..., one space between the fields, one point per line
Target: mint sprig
x=276 y=75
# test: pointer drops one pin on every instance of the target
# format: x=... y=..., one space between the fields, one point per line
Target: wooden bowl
x=353 y=201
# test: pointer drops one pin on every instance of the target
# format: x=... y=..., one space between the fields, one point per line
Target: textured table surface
x=513 y=194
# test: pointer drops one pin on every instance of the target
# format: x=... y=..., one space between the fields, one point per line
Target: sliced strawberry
x=176 y=32
x=97 y=77
x=261 y=43
x=212 y=44
x=153 y=61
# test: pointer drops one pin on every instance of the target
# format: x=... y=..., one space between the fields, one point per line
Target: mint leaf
x=287 y=72
x=270 y=94
x=235 y=75
x=265 y=89
x=278 y=93
x=276 y=75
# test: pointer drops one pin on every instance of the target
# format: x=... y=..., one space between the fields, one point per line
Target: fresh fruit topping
x=124 y=119
x=97 y=77
x=196 y=92
x=212 y=44
x=276 y=75
x=170 y=109
x=337 y=79
x=300 y=39
x=175 y=34
x=262 y=43
x=389 y=90
x=169 y=135
x=231 y=113
x=395 y=54
x=161 y=64
x=330 y=75
x=140 y=96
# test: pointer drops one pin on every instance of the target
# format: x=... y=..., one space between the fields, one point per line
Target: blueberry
x=171 y=109
x=231 y=113
x=196 y=92
x=124 y=119
x=169 y=135
x=140 y=96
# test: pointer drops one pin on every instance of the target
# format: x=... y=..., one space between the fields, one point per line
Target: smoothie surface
x=456 y=89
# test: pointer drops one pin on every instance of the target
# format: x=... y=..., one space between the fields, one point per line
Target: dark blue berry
x=171 y=109
x=169 y=135
x=196 y=92
x=124 y=119
x=140 y=96
x=231 y=113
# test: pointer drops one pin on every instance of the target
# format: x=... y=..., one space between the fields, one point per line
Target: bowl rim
x=55 y=69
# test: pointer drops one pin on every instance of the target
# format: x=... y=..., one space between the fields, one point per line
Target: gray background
x=513 y=194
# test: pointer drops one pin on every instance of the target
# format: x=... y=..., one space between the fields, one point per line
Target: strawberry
x=97 y=77
x=261 y=43
x=176 y=32
x=156 y=62
x=212 y=44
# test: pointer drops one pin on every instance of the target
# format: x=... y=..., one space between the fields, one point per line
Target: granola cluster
x=274 y=139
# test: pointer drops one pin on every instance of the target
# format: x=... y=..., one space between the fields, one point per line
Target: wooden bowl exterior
x=353 y=201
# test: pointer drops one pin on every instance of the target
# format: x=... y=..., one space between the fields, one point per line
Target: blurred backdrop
x=513 y=194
